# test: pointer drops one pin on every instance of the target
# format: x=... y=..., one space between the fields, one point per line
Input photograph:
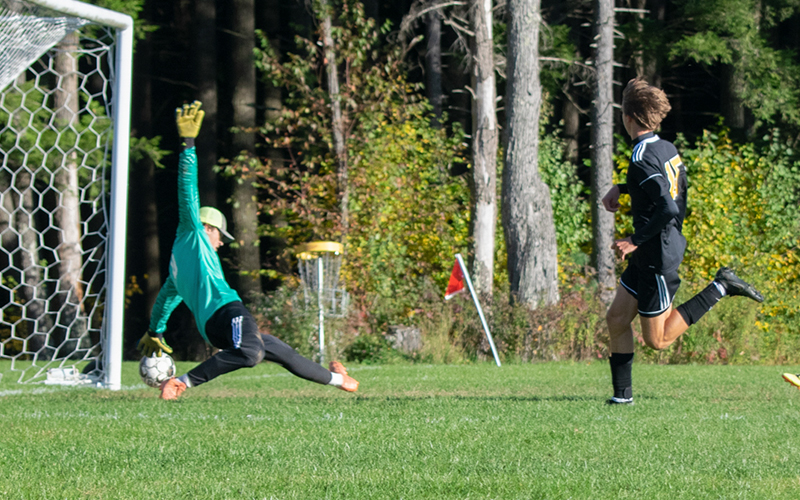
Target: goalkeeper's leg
x=277 y=351
x=233 y=330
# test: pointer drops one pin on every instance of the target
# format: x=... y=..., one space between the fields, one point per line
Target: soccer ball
x=156 y=369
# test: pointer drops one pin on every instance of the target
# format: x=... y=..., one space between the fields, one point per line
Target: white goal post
x=65 y=99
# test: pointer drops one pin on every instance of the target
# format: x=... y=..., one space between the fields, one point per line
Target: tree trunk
x=647 y=62
x=572 y=130
x=484 y=147
x=602 y=147
x=652 y=65
x=68 y=215
x=530 y=232
x=732 y=106
x=31 y=292
x=243 y=102
x=205 y=77
x=336 y=109
x=270 y=22
x=433 y=63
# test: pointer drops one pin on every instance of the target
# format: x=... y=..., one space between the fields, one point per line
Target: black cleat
x=737 y=286
x=619 y=401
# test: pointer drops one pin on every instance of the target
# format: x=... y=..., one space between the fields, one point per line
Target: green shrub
x=372 y=349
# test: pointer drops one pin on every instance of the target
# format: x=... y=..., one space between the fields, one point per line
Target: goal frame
x=113 y=321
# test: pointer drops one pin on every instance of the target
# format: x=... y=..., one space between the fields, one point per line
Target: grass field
x=536 y=431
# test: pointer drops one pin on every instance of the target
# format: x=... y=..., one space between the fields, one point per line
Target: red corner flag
x=456 y=284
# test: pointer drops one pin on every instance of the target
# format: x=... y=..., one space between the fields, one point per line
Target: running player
x=657 y=185
x=195 y=277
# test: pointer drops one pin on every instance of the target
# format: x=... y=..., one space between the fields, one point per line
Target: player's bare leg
x=349 y=384
x=619 y=317
x=661 y=331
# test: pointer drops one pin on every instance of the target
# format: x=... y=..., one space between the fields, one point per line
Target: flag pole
x=478 y=306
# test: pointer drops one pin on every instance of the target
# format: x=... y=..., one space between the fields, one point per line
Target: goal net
x=64 y=126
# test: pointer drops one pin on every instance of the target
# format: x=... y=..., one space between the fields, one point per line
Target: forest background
x=412 y=130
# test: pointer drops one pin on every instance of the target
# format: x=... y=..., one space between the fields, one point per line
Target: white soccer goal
x=65 y=84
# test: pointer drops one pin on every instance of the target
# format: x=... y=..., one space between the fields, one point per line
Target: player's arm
x=611 y=199
x=188 y=120
x=657 y=189
x=166 y=302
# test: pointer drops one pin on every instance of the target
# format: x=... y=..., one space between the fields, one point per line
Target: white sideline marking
x=51 y=389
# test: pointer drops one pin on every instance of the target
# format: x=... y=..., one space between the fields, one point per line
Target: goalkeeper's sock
x=336 y=379
x=185 y=379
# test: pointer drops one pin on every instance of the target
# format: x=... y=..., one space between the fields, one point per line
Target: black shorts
x=233 y=327
x=654 y=292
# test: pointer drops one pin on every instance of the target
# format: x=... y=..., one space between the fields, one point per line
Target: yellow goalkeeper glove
x=153 y=343
x=189 y=118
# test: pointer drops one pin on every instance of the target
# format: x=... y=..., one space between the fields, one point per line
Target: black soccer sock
x=621 y=364
x=694 y=309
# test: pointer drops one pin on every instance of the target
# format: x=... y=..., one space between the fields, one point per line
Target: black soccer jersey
x=657 y=185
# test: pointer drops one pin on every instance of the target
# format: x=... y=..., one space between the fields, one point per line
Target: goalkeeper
x=195 y=277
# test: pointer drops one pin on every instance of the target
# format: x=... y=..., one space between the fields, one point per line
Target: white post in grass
x=320 y=277
x=478 y=307
x=115 y=250
x=119 y=208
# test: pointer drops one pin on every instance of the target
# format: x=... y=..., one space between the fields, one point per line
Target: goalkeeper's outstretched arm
x=188 y=120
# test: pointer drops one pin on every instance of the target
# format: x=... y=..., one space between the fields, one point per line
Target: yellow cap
x=213 y=217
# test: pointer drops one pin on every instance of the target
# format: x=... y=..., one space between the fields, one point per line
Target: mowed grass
x=536 y=431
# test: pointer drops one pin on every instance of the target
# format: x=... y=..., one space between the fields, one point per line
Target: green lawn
x=476 y=431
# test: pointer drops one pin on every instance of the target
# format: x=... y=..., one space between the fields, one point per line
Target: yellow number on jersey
x=672 y=167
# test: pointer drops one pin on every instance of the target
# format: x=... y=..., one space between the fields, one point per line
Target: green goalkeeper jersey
x=195 y=272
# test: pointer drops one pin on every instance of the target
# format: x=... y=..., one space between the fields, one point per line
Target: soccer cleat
x=172 y=388
x=792 y=379
x=349 y=384
x=737 y=286
x=619 y=401
x=337 y=367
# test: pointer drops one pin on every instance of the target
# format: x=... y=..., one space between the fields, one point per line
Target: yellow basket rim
x=308 y=251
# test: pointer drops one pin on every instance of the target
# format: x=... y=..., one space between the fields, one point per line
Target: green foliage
x=150 y=148
x=132 y=8
x=557 y=49
x=33 y=137
x=569 y=197
x=408 y=216
x=704 y=47
x=770 y=76
x=742 y=35
x=744 y=211
x=371 y=349
x=281 y=314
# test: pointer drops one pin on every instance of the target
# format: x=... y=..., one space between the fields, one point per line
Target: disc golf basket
x=319 y=263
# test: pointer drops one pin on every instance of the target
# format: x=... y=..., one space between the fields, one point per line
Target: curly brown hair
x=646 y=104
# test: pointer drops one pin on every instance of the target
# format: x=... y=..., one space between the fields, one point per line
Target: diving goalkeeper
x=195 y=277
